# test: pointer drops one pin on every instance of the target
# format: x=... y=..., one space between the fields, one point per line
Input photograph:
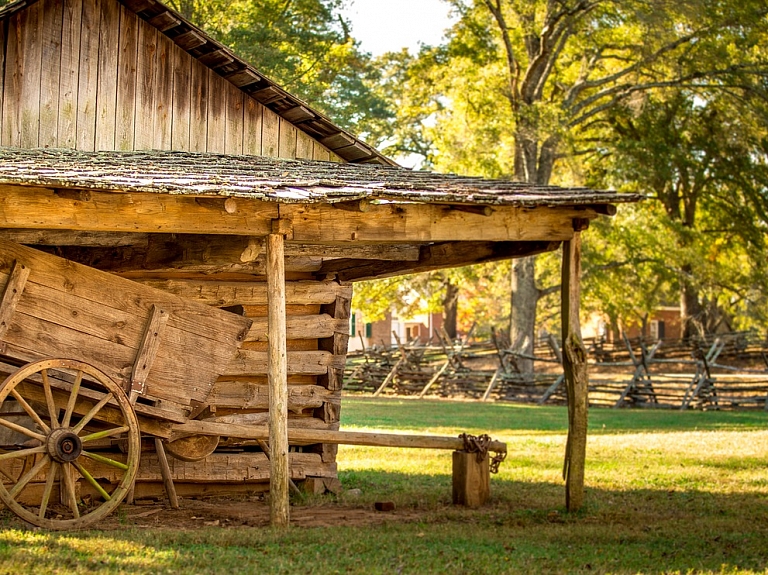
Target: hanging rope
x=479 y=445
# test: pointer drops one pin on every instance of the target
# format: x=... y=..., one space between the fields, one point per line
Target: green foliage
x=306 y=46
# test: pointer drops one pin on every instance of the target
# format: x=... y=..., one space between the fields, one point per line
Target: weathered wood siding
x=317 y=334
x=91 y=75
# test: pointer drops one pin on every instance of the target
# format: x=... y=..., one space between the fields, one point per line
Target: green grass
x=666 y=493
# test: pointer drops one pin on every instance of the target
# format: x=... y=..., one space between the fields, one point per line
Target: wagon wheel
x=77 y=409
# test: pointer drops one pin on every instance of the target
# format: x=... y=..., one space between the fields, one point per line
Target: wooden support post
x=165 y=471
x=575 y=370
x=279 y=474
x=471 y=479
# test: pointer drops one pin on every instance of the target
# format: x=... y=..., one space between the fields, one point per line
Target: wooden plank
x=106 y=97
x=320 y=153
x=50 y=79
x=299 y=363
x=163 y=93
x=120 y=299
x=31 y=51
x=217 y=119
x=182 y=93
x=300 y=327
x=304 y=146
x=270 y=133
x=334 y=437
x=236 y=394
x=88 y=75
x=145 y=88
x=252 y=127
x=14 y=288
x=234 y=113
x=277 y=365
x=198 y=132
x=287 y=140
x=576 y=378
x=69 y=238
x=70 y=73
x=224 y=294
x=125 y=122
x=13 y=73
x=147 y=350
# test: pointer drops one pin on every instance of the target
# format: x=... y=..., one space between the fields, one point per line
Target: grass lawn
x=667 y=492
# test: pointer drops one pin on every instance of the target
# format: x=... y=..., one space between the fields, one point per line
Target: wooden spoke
x=27 y=477
x=69 y=490
x=84 y=472
x=92 y=413
x=21 y=429
x=22 y=453
x=72 y=400
x=70 y=468
x=52 y=411
x=31 y=412
x=105 y=433
x=105 y=460
x=48 y=488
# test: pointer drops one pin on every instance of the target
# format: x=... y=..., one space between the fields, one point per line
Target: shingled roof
x=274 y=179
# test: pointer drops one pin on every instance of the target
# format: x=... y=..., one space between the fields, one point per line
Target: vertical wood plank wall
x=91 y=75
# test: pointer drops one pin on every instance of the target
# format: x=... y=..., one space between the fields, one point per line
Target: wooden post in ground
x=471 y=479
x=279 y=474
x=575 y=370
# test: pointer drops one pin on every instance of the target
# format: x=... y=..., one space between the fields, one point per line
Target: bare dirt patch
x=251 y=512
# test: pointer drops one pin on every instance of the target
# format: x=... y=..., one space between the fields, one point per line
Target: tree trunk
x=523 y=311
x=691 y=311
x=450 y=308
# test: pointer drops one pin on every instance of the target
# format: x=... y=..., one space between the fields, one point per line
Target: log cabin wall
x=317 y=333
x=92 y=75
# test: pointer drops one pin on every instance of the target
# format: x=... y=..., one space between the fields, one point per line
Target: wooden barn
x=136 y=145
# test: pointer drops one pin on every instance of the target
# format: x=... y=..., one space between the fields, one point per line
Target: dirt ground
x=247 y=512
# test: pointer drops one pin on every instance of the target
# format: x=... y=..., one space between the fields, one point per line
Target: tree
x=306 y=46
x=705 y=160
x=521 y=86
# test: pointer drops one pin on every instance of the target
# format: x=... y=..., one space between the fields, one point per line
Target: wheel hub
x=64 y=445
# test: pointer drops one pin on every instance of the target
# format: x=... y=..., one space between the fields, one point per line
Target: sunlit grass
x=666 y=493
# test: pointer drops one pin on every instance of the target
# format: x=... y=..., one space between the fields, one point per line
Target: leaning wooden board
x=69 y=310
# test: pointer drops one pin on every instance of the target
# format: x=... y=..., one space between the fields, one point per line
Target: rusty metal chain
x=479 y=445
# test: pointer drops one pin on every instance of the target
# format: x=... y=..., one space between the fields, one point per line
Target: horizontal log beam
x=437 y=256
x=332 y=437
x=224 y=294
x=49 y=208
x=215 y=249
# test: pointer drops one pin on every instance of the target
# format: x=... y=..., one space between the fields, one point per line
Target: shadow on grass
x=523 y=529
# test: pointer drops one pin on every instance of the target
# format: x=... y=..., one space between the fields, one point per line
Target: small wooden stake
x=576 y=379
x=279 y=475
x=471 y=479
x=165 y=471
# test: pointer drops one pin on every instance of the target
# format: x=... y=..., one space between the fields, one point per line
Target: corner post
x=279 y=475
x=575 y=370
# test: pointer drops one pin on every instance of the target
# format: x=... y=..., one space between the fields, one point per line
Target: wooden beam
x=309 y=436
x=279 y=476
x=73 y=238
x=137 y=212
x=437 y=256
x=576 y=378
x=225 y=294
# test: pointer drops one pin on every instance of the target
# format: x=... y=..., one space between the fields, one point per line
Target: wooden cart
x=92 y=363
